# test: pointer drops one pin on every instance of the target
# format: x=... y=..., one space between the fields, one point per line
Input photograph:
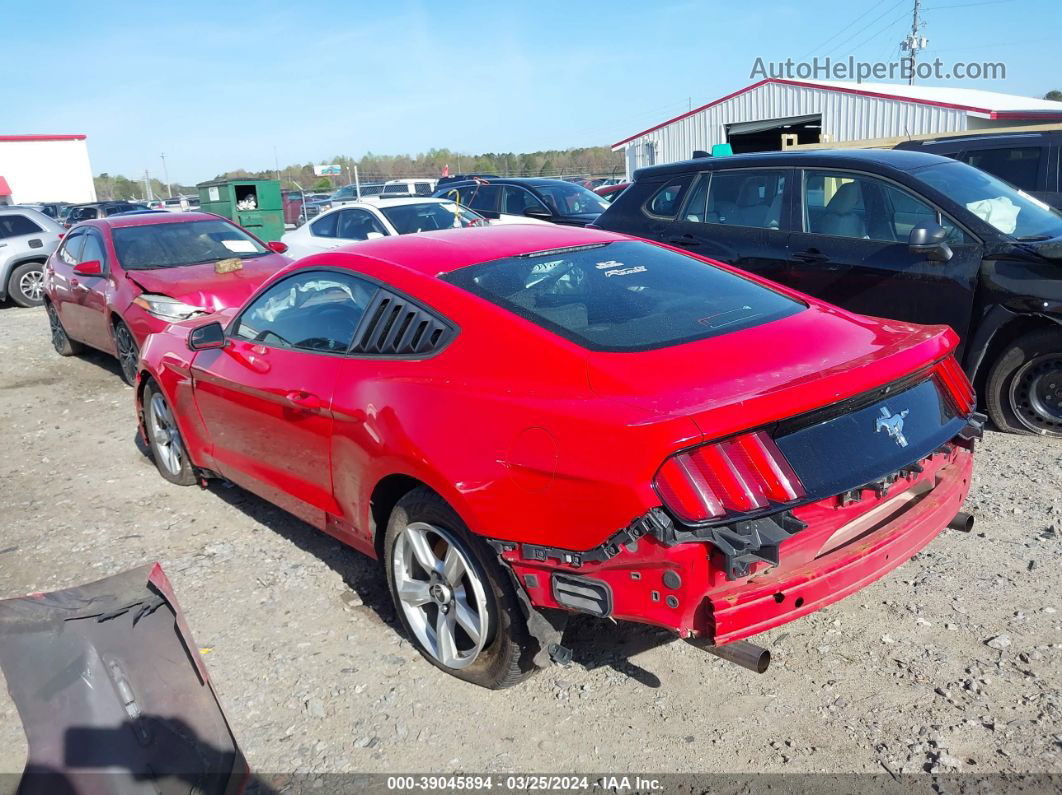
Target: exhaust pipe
x=962 y=522
x=740 y=652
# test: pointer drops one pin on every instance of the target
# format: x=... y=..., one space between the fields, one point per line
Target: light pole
x=166 y=174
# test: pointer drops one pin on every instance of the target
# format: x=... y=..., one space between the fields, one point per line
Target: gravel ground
x=952 y=662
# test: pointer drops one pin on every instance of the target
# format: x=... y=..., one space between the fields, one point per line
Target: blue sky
x=219 y=85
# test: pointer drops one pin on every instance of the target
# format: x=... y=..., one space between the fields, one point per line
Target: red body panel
x=534 y=439
x=87 y=305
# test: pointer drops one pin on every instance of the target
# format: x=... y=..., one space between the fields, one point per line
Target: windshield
x=1012 y=212
x=183 y=243
x=625 y=296
x=430 y=216
x=566 y=198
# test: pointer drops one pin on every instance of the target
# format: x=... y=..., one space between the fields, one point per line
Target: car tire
x=26 y=284
x=423 y=524
x=62 y=343
x=167 y=447
x=1024 y=386
x=126 y=351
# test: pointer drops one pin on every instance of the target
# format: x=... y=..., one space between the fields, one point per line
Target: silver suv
x=27 y=238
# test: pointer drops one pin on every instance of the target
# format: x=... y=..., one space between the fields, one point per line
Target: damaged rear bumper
x=654 y=573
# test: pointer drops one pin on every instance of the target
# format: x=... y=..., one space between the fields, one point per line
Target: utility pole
x=147 y=187
x=913 y=43
x=166 y=174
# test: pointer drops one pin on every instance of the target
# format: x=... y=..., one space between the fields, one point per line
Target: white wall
x=47 y=171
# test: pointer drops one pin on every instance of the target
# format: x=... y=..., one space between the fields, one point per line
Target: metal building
x=755 y=118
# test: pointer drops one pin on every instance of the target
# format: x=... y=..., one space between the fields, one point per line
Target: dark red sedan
x=525 y=421
x=114 y=281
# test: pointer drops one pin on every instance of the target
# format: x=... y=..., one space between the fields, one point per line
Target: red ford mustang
x=526 y=421
x=114 y=281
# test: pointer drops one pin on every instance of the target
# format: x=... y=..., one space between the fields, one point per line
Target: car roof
x=146 y=219
x=401 y=201
x=532 y=182
x=435 y=253
x=896 y=159
x=982 y=138
x=23 y=209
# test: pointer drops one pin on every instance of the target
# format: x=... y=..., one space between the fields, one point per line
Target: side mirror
x=928 y=240
x=92 y=267
x=207 y=337
x=539 y=213
x=277 y=246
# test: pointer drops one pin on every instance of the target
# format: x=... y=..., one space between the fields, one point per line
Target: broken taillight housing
x=957 y=385
x=738 y=475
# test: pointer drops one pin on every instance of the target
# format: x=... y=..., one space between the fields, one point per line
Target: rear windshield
x=625 y=296
x=184 y=243
x=429 y=217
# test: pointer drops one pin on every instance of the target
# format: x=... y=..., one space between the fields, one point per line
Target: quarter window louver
x=398 y=327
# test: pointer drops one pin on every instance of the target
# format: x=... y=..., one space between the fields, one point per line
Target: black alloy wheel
x=127 y=352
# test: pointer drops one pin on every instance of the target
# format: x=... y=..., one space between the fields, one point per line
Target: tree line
x=597 y=161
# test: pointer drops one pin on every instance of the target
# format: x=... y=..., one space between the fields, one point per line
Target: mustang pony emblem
x=892 y=424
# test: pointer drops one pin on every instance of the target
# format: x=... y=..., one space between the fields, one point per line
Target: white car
x=408 y=187
x=366 y=220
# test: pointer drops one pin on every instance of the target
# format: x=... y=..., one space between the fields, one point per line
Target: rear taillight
x=958 y=386
x=738 y=475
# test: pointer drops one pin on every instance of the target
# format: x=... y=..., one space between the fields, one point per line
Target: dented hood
x=107 y=680
x=780 y=369
x=201 y=285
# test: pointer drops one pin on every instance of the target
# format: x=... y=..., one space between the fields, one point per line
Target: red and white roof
x=975 y=102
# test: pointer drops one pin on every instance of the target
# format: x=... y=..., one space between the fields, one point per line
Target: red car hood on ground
x=771 y=372
x=201 y=285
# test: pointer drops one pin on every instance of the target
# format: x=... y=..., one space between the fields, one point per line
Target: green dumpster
x=255 y=204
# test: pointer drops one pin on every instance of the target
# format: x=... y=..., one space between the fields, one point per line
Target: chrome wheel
x=31 y=285
x=441 y=595
x=165 y=438
x=128 y=355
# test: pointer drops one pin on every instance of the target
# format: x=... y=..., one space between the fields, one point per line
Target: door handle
x=686 y=241
x=811 y=255
x=303 y=399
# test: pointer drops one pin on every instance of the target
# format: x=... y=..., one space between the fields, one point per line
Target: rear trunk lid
x=847 y=398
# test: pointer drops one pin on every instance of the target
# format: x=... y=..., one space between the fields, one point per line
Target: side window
x=515 y=200
x=423 y=189
x=483 y=198
x=749 y=197
x=666 y=201
x=311 y=311
x=93 y=249
x=1018 y=165
x=14 y=225
x=71 y=247
x=325 y=226
x=853 y=205
x=834 y=204
x=357 y=224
